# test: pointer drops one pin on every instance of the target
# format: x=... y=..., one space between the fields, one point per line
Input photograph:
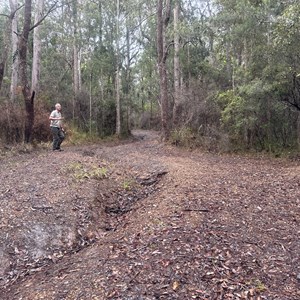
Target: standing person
x=56 y=127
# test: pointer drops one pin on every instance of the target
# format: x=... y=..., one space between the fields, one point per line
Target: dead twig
x=41 y=207
x=196 y=209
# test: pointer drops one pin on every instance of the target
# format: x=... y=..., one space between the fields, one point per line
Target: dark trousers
x=58 y=137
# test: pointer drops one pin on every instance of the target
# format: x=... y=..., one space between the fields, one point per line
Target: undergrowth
x=79 y=171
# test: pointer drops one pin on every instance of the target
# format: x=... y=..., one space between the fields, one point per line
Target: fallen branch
x=196 y=209
x=41 y=207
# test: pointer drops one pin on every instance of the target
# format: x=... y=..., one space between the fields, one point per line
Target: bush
x=183 y=137
x=11 y=123
x=41 y=128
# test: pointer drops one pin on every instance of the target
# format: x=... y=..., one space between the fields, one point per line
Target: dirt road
x=144 y=220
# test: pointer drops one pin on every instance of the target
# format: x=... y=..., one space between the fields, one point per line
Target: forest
x=180 y=178
x=222 y=75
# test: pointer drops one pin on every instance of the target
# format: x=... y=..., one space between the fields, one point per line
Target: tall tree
x=15 y=56
x=118 y=86
x=177 y=89
x=22 y=50
x=7 y=39
x=36 y=60
x=163 y=17
x=28 y=94
x=76 y=55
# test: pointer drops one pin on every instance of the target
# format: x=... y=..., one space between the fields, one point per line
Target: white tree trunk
x=36 y=48
x=76 y=67
x=177 y=91
x=118 y=101
x=163 y=17
x=76 y=61
x=15 y=60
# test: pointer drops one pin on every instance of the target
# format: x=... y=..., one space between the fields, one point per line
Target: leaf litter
x=163 y=223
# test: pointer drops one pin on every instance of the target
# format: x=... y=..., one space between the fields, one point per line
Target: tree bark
x=118 y=100
x=28 y=96
x=15 y=59
x=162 y=22
x=37 y=48
x=76 y=64
x=7 y=40
x=177 y=90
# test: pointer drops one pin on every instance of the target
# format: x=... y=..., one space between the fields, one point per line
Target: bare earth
x=142 y=220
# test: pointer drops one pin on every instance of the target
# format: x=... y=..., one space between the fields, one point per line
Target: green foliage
x=183 y=137
x=234 y=116
x=75 y=136
x=286 y=31
x=244 y=117
x=128 y=184
x=243 y=51
x=258 y=285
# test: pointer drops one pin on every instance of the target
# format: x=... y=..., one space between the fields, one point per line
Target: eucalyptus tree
x=22 y=51
x=56 y=72
x=105 y=54
x=189 y=69
x=163 y=18
x=28 y=93
x=7 y=32
x=36 y=57
x=132 y=50
x=100 y=64
x=73 y=13
x=147 y=83
x=14 y=47
x=118 y=43
x=118 y=86
x=177 y=90
x=76 y=7
x=175 y=60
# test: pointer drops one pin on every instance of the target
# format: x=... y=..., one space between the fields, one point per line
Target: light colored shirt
x=55 y=123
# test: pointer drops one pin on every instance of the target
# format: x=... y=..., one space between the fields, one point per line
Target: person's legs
x=61 y=137
x=55 y=133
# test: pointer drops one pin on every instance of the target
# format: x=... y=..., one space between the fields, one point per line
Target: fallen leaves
x=165 y=224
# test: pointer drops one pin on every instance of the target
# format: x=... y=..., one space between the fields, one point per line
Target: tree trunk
x=15 y=60
x=118 y=101
x=22 y=49
x=128 y=79
x=162 y=21
x=37 y=48
x=268 y=98
x=4 y=52
x=6 y=41
x=118 y=104
x=90 y=100
x=75 y=57
x=177 y=90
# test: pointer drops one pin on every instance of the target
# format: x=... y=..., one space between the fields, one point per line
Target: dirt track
x=142 y=220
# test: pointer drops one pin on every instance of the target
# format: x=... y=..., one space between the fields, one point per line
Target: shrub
x=11 y=123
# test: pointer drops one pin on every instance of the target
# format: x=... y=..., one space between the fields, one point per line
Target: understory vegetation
x=232 y=72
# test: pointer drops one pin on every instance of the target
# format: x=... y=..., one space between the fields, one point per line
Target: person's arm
x=52 y=117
